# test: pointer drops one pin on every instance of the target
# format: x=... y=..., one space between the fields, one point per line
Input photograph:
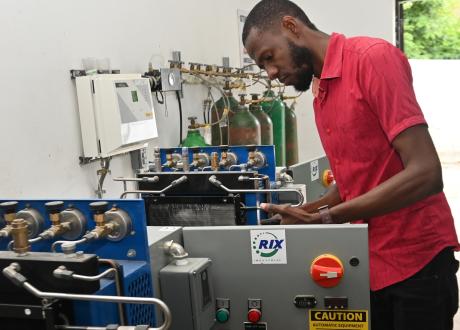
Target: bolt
x=27 y=311
x=131 y=253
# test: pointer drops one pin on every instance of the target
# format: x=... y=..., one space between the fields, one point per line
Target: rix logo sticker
x=267 y=244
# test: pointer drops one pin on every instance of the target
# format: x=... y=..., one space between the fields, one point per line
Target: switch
x=327 y=270
x=328 y=178
x=254 y=315
x=222 y=315
x=222 y=310
x=254 y=310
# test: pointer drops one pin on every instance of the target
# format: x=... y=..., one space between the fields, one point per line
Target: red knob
x=254 y=315
x=326 y=270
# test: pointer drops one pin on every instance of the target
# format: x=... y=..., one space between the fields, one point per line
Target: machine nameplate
x=338 y=319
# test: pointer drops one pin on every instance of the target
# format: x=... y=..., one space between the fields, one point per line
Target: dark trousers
x=426 y=301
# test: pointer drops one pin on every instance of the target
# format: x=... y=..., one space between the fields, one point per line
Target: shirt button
x=328 y=130
x=347 y=192
x=337 y=162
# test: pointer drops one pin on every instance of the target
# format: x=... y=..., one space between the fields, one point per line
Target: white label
x=268 y=247
x=245 y=59
x=314 y=170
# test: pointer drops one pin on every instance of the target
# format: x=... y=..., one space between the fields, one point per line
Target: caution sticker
x=338 y=319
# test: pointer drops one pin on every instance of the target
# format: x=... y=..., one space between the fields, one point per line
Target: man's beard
x=302 y=60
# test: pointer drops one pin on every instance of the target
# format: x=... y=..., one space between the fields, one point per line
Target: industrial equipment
x=210 y=186
x=315 y=174
x=116 y=113
x=272 y=277
x=76 y=263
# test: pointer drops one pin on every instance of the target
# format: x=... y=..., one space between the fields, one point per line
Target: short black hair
x=267 y=13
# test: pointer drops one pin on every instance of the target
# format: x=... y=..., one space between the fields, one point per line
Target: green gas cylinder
x=219 y=131
x=244 y=127
x=292 y=146
x=274 y=107
x=266 y=125
x=194 y=138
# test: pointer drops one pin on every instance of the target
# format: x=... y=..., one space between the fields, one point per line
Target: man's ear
x=290 y=25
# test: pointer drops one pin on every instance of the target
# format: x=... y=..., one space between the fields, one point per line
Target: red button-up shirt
x=365 y=99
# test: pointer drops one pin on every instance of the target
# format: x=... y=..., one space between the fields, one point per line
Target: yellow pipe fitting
x=20 y=233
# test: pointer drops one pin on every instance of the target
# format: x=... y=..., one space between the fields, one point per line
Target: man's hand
x=293 y=215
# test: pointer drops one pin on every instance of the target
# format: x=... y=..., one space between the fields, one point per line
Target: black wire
x=162 y=97
x=180 y=116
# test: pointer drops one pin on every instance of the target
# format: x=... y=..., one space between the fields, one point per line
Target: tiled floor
x=451 y=175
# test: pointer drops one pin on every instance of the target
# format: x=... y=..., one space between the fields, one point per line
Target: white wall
x=436 y=86
x=42 y=40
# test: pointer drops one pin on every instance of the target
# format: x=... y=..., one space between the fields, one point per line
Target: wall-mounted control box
x=116 y=113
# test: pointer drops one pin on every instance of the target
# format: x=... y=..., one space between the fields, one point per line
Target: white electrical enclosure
x=116 y=113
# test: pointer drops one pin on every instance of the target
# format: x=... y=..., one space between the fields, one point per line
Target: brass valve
x=200 y=159
x=223 y=159
x=227 y=159
x=57 y=226
x=172 y=159
x=215 y=161
x=103 y=228
x=19 y=232
x=10 y=214
x=256 y=159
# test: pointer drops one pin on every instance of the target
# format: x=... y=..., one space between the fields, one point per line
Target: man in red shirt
x=386 y=167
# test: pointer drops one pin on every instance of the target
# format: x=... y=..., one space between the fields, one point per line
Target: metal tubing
x=156 y=192
x=129 y=300
x=115 y=266
x=78 y=327
x=53 y=246
x=219 y=184
x=93 y=278
x=144 y=179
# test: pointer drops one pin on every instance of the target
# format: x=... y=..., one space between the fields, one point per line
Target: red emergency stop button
x=326 y=270
x=328 y=178
x=254 y=315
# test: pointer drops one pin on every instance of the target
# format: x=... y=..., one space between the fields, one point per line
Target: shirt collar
x=332 y=67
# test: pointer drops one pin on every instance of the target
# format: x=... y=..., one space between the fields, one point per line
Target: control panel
x=286 y=277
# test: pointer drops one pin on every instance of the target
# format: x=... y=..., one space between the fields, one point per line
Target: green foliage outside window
x=432 y=29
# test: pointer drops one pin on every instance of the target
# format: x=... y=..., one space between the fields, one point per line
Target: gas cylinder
x=266 y=125
x=244 y=127
x=194 y=138
x=292 y=146
x=220 y=131
x=274 y=107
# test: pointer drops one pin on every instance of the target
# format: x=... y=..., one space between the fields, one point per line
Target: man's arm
x=306 y=213
x=330 y=198
x=420 y=178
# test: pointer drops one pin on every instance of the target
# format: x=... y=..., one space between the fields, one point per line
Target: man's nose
x=272 y=72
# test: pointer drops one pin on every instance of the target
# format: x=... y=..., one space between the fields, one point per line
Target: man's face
x=281 y=58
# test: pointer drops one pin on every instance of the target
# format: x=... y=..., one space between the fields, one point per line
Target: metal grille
x=194 y=210
x=193 y=214
x=137 y=313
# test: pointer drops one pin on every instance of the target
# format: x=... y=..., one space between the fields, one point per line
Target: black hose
x=180 y=116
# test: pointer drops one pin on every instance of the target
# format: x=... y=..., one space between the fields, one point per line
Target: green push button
x=222 y=315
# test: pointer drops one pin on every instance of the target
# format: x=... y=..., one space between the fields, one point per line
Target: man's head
x=271 y=35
